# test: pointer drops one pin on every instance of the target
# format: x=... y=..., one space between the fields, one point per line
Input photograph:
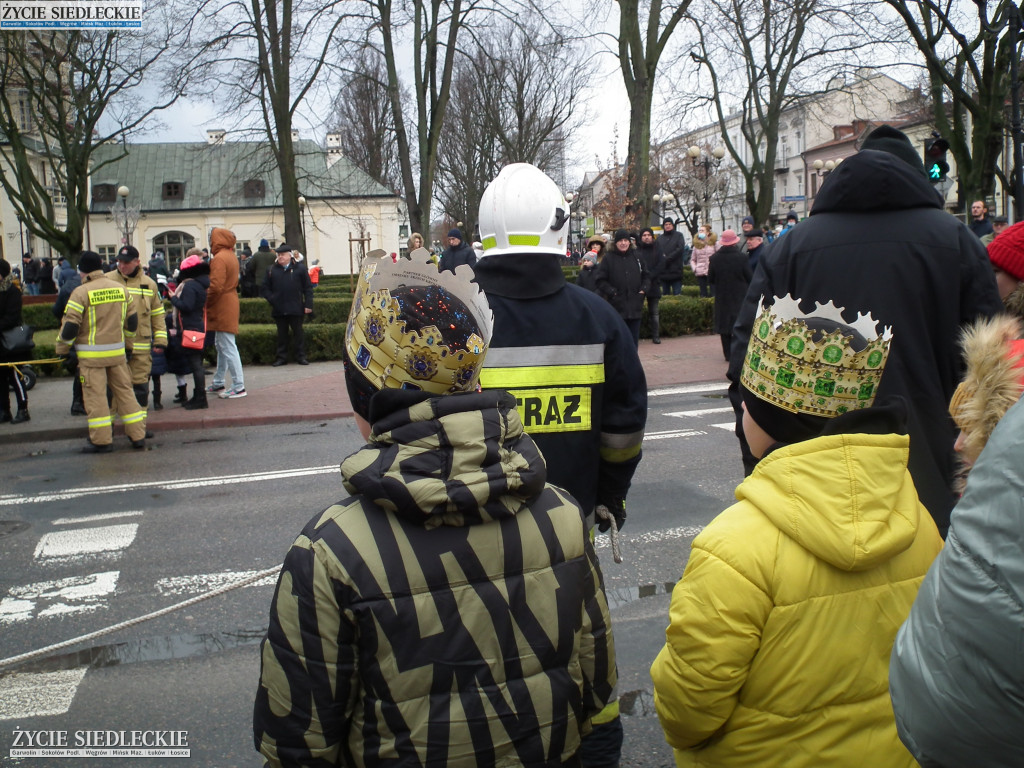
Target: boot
x=157 y=394
x=77 y=408
x=141 y=394
x=5 y=415
x=197 y=403
x=181 y=397
x=656 y=330
x=22 y=415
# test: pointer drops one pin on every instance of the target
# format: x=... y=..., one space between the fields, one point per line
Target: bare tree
x=268 y=57
x=640 y=52
x=517 y=94
x=759 y=59
x=62 y=95
x=366 y=123
x=968 y=77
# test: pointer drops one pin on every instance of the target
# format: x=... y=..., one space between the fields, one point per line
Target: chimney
x=334 y=153
x=215 y=136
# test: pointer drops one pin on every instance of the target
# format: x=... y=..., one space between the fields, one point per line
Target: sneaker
x=234 y=393
x=215 y=388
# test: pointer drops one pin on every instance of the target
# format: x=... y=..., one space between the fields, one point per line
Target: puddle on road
x=159 y=648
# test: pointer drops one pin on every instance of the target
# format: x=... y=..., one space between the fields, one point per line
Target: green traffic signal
x=937 y=171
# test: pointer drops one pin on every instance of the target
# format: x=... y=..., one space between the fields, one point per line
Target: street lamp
x=302 y=221
x=21 y=232
x=665 y=200
x=707 y=163
x=1010 y=20
x=125 y=217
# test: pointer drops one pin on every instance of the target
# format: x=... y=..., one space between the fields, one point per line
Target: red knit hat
x=1006 y=251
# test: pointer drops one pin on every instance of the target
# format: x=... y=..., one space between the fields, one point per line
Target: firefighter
x=568 y=359
x=98 y=319
x=152 y=330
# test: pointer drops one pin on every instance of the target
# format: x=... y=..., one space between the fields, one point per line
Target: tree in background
x=62 y=95
x=760 y=60
x=969 y=81
x=264 y=60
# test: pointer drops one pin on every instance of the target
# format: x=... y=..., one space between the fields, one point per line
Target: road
x=81 y=552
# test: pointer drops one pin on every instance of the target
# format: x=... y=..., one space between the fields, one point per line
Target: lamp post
x=125 y=217
x=302 y=220
x=707 y=163
x=665 y=200
x=21 y=232
x=1010 y=20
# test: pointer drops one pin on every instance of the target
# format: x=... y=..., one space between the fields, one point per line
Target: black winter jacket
x=191 y=302
x=878 y=241
x=10 y=316
x=462 y=253
x=730 y=273
x=288 y=289
x=622 y=279
x=571 y=364
x=654 y=262
x=673 y=246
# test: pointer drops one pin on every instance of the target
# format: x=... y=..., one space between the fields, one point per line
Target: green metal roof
x=215 y=175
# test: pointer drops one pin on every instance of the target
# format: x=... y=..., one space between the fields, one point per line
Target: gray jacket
x=957 y=672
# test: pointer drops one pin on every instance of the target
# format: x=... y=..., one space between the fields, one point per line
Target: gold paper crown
x=788 y=367
x=392 y=357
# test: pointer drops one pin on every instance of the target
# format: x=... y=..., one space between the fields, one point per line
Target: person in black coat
x=288 y=289
x=654 y=261
x=879 y=240
x=458 y=252
x=587 y=277
x=730 y=273
x=70 y=279
x=10 y=317
x=676 y=252
x=622 y=280
x=189 y=302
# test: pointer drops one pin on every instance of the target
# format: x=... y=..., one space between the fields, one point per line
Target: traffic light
x=935 y=159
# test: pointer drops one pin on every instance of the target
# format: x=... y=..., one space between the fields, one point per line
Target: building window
x=241 y=245
x=174 y=190
x=23 y=112
x=106 y=252
x=174 y=245
x=103 y=193
x=255 y=188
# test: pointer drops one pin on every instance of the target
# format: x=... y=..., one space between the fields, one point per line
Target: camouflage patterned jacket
x=451 y=613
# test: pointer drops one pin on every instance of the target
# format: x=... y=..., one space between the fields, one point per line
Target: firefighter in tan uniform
x=98 y=318
x=152 y=330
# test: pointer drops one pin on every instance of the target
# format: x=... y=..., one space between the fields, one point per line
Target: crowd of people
x=859 y=604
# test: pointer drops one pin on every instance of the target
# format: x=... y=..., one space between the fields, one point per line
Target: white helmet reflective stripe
x=523 y=211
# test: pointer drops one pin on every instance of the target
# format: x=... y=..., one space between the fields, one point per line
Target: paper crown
x=803 y=369
x=391 y=356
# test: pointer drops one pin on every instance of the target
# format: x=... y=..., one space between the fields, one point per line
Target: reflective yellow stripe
x=133 y=418
x=617 y=447
x=105 y=354
x=140 y=345
x=75 y=306
x=100 y=421
x=541 y=375
x=619 y=455
x=92 y=325
x=606 y=715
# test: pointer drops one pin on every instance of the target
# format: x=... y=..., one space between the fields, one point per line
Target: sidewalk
x=314 y=392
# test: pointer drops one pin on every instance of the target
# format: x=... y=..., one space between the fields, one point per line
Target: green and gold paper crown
x=803 y=370
x=391 y=356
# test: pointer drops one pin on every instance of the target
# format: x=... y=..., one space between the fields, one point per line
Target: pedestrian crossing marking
x=205 y=582
x=38 y=694
x=78 y=543
x=700 y=412
x=59 y=597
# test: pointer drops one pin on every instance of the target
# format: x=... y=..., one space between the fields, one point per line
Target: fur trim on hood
x=1014 y=303
x=992 y=383
x=202 y=268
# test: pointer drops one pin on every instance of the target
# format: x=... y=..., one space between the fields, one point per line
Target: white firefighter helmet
x=523 y=211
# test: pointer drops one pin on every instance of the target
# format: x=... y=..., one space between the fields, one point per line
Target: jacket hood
x=873 y=180
x=222 y=240
x=453 y=460
x=1014 y=303
x=991 y=385
x=848 y=498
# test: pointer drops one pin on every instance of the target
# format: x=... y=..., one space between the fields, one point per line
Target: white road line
x=729 y=425
x=700 y=412
x=205 y=582
x=673 y=433
x=60 y=597
x=687 y=389
x=79 y=543
x=652 y=537
x=94 y=518
x=38 y=694
x=167 y=485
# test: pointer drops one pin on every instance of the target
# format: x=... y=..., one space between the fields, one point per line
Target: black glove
x=617 y=507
